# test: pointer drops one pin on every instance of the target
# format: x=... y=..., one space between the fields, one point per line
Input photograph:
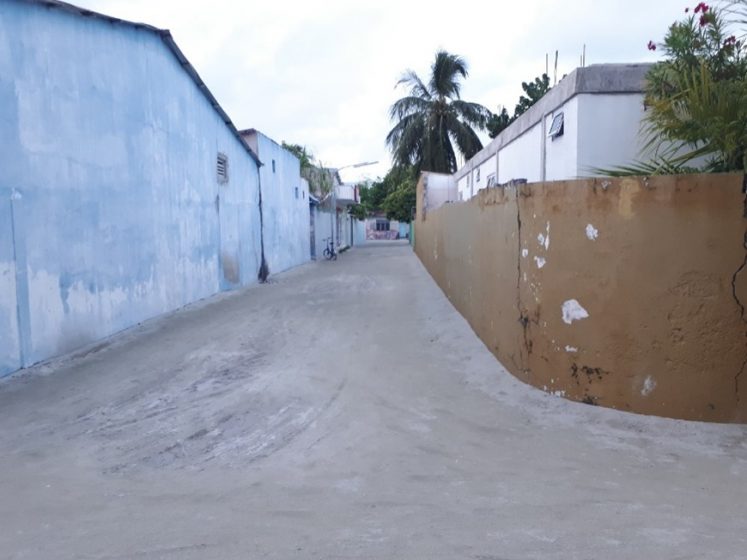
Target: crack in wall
x=264 y=270
x=743 y=311
x=523 y=318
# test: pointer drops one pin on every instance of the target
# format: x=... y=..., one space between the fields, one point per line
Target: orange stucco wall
x=626 y=293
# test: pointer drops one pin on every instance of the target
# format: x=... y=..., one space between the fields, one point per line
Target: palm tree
x=432 y=116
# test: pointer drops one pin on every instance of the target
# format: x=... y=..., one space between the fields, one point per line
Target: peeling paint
x=649 y=384
x=540 y=261
x=571 y=349
x=572 y=311
x=544 y=238
x=525 y=253
x=591 y=232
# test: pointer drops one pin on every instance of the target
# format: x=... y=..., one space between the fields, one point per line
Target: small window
x=382 y=225
x=303 y=195
x=491 y=180
x=477 y=175
x=222 y=168
x=273 y=166
x=296 y=192
x=556 y=129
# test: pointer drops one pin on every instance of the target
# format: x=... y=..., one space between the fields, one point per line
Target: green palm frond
x=432 y=118
x=445 y=73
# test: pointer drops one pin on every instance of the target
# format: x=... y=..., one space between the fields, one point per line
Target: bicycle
x=329 y=253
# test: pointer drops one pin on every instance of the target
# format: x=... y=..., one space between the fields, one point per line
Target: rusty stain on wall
x=643 y=311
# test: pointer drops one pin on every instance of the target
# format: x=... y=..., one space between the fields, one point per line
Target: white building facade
x=591 y=119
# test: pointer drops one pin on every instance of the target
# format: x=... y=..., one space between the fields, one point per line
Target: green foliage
x=697 y=98
x=399 y=203
x=657 y=166
x=497 y=123
x=393 y=195
x=432 y=115
x=533 y=92
x=358 y=211
x=303 y=155
x=319 y=177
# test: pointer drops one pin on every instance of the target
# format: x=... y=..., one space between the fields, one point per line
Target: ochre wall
x=658 y=264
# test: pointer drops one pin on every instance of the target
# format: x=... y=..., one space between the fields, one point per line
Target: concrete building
x=285 y=203
x=125 y=189
x=346 y=195
x=590 y=119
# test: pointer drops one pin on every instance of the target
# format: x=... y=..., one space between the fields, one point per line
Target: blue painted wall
x=110 y=208
x=285 y=204
x=359 y=235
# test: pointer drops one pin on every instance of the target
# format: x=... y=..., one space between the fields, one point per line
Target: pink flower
x=703 y=19
x=651 y=46
x=702 y=7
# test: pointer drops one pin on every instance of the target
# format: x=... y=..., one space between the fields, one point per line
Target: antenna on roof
x=547 y=63
x=583 y=57
x=555 y=75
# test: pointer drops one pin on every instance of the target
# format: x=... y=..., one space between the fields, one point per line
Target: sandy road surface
x=345 y=410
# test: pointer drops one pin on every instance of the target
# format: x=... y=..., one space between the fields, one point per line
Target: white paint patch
x=540 y=262
x=544 y=238
x=572 y=311
x=525 y=253
x=571 y=349
x=16 y=195
x=649 y=384
x=591 y=232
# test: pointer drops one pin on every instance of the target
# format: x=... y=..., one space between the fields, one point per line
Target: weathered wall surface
x=285 y=206
x=626 y=293
x=110 y=207
x=324 y=228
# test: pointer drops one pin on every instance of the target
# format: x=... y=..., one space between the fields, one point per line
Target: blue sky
x=323 y=74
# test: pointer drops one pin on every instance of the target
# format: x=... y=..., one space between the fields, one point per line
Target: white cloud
x=323 y=75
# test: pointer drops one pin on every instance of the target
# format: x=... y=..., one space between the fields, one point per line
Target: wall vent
x=557 y=126
x=222 y=168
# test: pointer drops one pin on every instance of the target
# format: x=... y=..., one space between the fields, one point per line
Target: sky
x=323 y=74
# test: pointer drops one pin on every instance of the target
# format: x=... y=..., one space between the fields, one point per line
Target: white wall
x=463 y=190
x=440 y=188
x=561 y=153
x=608 y=130
x=522 y=158
x=485 y=169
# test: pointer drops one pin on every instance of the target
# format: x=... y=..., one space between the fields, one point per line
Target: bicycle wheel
x=327 y=254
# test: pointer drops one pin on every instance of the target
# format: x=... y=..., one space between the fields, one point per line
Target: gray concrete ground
x=345 y=411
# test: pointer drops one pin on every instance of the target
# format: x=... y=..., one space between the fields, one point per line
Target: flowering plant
x=696 y=98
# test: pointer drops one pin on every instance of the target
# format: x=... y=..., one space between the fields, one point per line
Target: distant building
x=590 y=119
x=285 y=203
